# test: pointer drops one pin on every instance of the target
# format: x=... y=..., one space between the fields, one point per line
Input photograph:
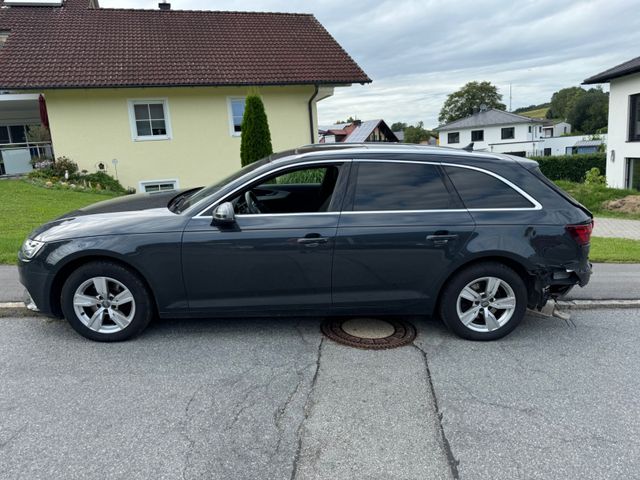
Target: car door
x=402 y=228
x=265 y=262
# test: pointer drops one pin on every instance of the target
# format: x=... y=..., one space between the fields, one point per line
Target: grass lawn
x=24 y=206
x=592 y=197
x=614 y=250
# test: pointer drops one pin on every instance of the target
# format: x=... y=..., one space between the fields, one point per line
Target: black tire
x=142 y=302
x=455 y=286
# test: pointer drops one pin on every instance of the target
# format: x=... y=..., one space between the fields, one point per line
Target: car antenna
x=469 y=148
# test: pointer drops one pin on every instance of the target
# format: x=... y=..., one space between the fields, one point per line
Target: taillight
x=580 y=233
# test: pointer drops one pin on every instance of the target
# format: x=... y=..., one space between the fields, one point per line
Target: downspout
x=312 y=132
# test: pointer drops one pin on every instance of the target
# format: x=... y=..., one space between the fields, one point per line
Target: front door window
x=301 y=190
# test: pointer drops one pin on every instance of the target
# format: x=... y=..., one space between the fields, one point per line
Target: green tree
x=469 y=99
x=416 y=134
x=348 y=120
x=590 y=111
x=256 y=138
x=562 y=102
x=398 y=126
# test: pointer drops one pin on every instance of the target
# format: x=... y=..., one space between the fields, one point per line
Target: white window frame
x=230 y=100
x=143 y=183
x=132 y=119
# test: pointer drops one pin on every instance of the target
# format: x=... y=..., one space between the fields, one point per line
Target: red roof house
x=162 y=91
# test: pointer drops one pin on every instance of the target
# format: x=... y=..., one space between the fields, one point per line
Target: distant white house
x=504 y=132
x=556 y=129
x=623 y=145
x=493 y=130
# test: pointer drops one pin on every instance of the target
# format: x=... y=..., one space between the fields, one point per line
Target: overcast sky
x=419 y=51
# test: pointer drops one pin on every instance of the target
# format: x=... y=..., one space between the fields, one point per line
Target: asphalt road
x=271 y=399
x=610 y=281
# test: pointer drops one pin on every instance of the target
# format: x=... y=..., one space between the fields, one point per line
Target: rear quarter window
x=481 y=190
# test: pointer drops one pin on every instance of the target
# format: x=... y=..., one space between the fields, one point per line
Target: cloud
x=419 y=51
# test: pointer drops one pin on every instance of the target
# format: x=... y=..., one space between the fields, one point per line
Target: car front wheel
x=106 y=302
x=484 y=301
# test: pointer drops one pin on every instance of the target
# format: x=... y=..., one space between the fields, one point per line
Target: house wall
x=619 y=149
x=560 y=127
x=493 y=135
x=559 y=145
x=92 y=126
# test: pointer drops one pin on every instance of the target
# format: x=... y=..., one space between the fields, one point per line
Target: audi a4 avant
x=368 y=229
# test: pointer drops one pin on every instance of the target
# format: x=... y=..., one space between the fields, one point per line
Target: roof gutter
x=177 y=85
x=312 y=132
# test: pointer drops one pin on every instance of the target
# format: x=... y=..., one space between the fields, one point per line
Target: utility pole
x=509 y=97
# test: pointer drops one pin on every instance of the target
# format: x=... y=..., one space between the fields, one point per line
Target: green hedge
x=571 y=167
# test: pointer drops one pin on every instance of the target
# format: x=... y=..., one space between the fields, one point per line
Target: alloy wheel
x=486 y=304
x=104 y=305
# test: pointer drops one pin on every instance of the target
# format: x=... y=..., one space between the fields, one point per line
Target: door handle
x=441 y=239
x=311 y=241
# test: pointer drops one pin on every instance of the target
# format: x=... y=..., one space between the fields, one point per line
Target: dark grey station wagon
x=367 y=229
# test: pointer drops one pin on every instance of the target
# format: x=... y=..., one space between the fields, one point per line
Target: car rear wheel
x=485 y=301
x=106 y=302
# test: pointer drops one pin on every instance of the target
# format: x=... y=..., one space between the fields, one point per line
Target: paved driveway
x=617 y=228
x=260 y=399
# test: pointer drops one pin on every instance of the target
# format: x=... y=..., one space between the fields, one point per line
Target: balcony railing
x=17 y=158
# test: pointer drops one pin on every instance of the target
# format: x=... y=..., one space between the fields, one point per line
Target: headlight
x=30 y=248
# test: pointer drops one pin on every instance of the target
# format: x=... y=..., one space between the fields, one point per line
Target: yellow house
x=156 y=97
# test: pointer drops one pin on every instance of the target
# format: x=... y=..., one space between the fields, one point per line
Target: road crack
x=13 y=436
x=190 y=441
x=308 y=405
x=446 y=446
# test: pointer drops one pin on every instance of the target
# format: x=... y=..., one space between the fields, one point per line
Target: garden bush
x=594 y=177
x=571 y=167
x=51 y=174
x=106 y=181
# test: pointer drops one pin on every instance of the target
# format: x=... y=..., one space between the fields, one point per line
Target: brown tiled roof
x=76 y=46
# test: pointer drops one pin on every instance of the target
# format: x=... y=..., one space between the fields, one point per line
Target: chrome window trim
x=537 y=205
x=265 y=174
x=295 y=214
x=446 y=210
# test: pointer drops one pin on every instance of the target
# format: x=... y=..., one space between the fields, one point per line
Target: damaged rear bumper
x=558 y=281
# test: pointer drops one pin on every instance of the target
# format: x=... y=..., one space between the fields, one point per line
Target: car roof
x=362 y=150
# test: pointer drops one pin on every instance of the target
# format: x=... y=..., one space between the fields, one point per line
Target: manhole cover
x=369 y=333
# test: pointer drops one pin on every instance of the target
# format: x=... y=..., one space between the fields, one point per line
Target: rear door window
x=383 y=186
x=481 y=190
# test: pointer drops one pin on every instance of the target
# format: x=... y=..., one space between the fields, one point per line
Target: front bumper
x=38 y=282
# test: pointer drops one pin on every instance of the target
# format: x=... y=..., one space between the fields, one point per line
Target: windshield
x=211 y=189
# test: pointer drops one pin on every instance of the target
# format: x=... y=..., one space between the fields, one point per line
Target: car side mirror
x=224 y=214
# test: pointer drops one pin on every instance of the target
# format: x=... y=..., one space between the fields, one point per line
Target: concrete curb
x=18 y=309
x=594 y=304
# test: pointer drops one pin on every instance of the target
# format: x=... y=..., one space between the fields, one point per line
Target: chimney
x=164 y=6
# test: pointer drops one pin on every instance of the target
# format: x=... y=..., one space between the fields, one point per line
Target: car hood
x=140 y=213
x=126 y=203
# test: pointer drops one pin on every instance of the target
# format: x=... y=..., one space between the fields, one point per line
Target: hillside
x=537 y=113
